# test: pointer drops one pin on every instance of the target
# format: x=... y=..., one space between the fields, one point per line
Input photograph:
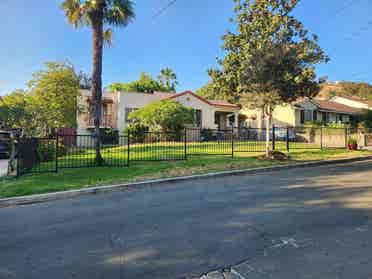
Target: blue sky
x=187 y=38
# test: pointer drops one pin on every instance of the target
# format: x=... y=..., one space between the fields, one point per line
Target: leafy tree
x=163 y=116
x=97 y=14
x=168 y=79
x=269 y=60
x=208 y=91
x=13 y=110
x=54 y=93
x=48 y=103
x=85 y=81
x=147 y=84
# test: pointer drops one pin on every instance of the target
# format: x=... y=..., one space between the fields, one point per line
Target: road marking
x=233 y=271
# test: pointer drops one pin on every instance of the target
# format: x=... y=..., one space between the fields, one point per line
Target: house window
x=198 y=117
x=308 y=115
x=127 y=112
x=302 y=117
x=340 y=118
x=315 y=115
x=324 y=117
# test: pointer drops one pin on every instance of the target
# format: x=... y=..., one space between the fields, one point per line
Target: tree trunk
x=97 y=24
x=268 y=122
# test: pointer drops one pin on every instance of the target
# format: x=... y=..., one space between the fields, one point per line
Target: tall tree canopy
x=167 y=81
x=48 y=103
x=98 y=14
x=270 y=59
x=54 y=93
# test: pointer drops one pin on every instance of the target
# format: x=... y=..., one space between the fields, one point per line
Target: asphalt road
x=185 y=229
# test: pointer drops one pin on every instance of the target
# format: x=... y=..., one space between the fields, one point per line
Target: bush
x=165 y=116
x=137 y=132
x=352 y=141
x=46 y=150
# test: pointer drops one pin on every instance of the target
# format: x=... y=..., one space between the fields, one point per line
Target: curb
x=32 y=199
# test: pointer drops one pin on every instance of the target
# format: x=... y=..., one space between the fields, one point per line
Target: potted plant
x=352 y=144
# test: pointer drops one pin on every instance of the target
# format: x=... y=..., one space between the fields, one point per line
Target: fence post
x=321 y=138
x=346 y=134
x=273 y=137
x=185 y=143
x=287 y=139
x=128 y=148
x=232 y=142
x=57 y=152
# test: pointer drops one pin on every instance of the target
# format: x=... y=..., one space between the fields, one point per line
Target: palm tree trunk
x=97 y=81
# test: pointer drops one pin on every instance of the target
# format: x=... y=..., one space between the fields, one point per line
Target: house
x=305 y=110
x=116 y=107
x=355 y=102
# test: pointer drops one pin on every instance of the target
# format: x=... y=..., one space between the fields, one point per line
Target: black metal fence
x=36 y=155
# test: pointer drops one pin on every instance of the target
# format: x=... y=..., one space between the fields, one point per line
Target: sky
x=185 y=37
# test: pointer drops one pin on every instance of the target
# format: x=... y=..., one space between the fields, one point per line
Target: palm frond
x=73 y=11
x=119 y=12
x=108 y=37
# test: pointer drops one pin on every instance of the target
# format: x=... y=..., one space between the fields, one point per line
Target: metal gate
x=36 y=155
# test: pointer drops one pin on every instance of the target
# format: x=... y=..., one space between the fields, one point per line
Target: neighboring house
x=300 y=112
x=354 y=102
x=116 y=106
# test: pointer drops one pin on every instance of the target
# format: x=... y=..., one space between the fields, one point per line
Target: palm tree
x=97 y=14
x=168 y=79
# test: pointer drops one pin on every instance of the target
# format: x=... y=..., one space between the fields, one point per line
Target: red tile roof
x=357 y=99
x=335 y=107
x=216 y=103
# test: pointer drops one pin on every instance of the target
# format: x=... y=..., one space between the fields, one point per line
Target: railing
x=106 y=121
x=75 y=151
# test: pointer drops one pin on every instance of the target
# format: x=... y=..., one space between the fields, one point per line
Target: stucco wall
x=207 y=110
x=132 y=100
x=284 y=116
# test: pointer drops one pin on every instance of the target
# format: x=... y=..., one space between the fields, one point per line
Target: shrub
x=46 y=150
x=352 y=141
x=136 y=131
x=165 y=116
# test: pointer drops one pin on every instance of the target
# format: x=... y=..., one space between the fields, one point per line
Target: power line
x=163 y=9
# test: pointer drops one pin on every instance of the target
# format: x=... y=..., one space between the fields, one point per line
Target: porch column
x=236 y=119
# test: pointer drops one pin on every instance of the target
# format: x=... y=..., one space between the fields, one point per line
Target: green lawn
x=67 y=179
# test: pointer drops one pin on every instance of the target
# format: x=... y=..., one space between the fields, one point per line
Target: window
x=325 y=117
x=308 y=115
x=127 y=112
x=198 y=117
x=302 y=117
x=341 y=118
x=315 y=115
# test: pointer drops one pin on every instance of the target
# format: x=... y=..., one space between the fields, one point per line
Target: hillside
x=344 y=88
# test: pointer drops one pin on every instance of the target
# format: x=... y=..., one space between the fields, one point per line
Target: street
x=190 y=228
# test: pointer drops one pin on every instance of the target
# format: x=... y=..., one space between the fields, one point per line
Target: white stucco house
x=116 y=106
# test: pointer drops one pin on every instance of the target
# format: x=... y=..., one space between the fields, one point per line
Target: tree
x=85 y=81
x=147 y=84
x=53 y=92
x=96 y=14
x=269 y=60
x=13 y=110
x=208 y=92
x=168 y=79
x=48 y=103
x=163 y=116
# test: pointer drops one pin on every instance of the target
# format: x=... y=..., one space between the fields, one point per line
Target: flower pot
x=352 y=146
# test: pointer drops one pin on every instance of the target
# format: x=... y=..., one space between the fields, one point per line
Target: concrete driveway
x=269 y=222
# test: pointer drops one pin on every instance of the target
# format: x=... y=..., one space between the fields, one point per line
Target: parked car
x=4 y=144
x=281 y=134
